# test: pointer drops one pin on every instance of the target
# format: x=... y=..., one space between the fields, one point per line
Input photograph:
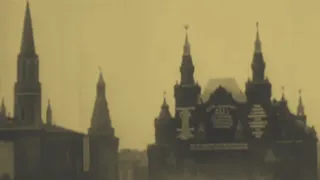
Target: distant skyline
x=138 y=45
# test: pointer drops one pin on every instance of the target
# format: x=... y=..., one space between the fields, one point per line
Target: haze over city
x=138 y=45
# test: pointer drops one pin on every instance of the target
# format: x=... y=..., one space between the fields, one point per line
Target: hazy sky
x=138 y=44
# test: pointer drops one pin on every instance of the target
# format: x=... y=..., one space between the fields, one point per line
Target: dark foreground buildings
x=225 y=134
x=36 y=150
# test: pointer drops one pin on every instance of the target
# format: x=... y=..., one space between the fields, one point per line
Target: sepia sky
x=138 y=44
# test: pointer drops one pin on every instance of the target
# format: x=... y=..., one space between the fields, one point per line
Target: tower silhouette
x=102 y=141
x=27 y=89
x=258 y=90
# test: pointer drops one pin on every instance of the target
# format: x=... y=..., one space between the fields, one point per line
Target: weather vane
x=99 y=67
x=299 y=91
x=164 y=94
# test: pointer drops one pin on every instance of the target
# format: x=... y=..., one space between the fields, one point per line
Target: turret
x=103 y=143
x=258 y=90
x=163 y=123
x=165 y=114
x=100 y=120
x=27 y=90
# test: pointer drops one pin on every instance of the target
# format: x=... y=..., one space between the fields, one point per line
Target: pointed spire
x=100 y=120
x=3 y=110
x=300 y=109
x=101 y=90
x=186 y=47
x=257 y=43
x=27 y=40
x=101 y=80
x=258 y=65
x=49 y=113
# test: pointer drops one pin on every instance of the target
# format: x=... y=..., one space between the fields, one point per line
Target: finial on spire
x=164 y=104
x=164 y=97
x=100 y=70
x=186 y=48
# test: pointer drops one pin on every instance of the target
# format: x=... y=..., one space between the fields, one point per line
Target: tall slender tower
x=103 y=143
x=258 y=90
x=27 y=90
x=186 y=92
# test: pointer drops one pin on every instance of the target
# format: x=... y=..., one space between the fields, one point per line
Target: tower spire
x=27 y=106
x=258 y=65
x=101 y=121
x=186 y=47
x=187 y=67
x=300 y=109
x=101 y=84
x=258 y=41
x=49 y=113
x=101 y=80
x=27 y=40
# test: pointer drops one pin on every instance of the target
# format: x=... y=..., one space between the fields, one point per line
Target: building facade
x=44 y=150
x=223 y=133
